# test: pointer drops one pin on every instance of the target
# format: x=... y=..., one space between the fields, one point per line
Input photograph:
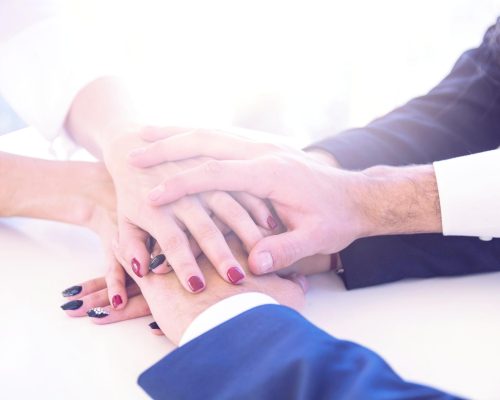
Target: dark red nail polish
x=116 y=300
x=195 y=283
x=271 y=222
x=136 y=267
x=235 y=274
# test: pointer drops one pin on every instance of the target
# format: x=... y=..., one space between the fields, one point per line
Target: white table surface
x=442 y=332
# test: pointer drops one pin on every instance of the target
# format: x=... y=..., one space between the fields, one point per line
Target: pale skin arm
x=77 y=193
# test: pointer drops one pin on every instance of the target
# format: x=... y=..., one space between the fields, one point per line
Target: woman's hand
x=318 y=204
x=101 y=119
x=137 y=219
x=91 y=299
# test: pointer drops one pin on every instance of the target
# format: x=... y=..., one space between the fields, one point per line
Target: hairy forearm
x=401 y=200
x=54 y=190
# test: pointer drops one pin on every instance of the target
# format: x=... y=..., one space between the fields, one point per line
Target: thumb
x=278 y=251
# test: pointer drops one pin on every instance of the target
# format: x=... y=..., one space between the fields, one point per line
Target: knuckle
x=235 y=213
x=185 y=205
x=175 y=243
x=216 y=198
x=212 y=168
x=207 y=232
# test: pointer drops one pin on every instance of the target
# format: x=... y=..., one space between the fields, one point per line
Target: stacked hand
x=316 y=203
x=172 y=307
x=170 y=225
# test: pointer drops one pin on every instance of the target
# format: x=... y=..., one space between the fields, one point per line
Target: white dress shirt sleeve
x=469 y=194
x=223 y=311
x=46 y=59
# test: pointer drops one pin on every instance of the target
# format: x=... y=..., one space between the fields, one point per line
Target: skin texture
x=100 y=119
x=323 y=208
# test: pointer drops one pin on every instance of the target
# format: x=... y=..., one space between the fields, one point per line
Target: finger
x=279 y=251
x=80 y=290
x=258 y=209
x=100 y=298
x=133 y=249
x=239 y=176
x=153 y=133
x=175 y=245
x=136 y=308
x=221 y=226
x=210 y=239
x=229 y=211
x=116 y=284
x=215 y=144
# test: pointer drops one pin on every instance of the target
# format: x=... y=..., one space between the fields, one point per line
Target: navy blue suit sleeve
x=460 y=116
x=272 y=352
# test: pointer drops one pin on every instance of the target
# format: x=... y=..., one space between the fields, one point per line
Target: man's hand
x=172 y=307
x=316 y=202
x=323 y=208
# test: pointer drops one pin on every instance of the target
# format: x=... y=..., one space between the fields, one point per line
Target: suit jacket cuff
x=223 y=311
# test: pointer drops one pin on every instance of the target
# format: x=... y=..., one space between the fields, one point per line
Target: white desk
x=442 y=332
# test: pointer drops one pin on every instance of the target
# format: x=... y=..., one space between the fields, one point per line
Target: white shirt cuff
x=223 y=311
x=469 y=194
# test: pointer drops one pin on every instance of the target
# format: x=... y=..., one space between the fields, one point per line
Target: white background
x=321 y=66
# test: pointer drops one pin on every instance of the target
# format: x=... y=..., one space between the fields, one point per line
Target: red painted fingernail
x=235 y=274
x=271 y=222
x=116 y=300
x=195 y=283
x=136 y=267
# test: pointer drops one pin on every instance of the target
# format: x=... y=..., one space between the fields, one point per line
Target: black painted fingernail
x=72 y=291
x=72 y=305
x=154 y=325
x=97 y=312
x=157 y=261
x=150 y=244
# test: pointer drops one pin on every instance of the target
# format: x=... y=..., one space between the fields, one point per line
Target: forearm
x=54 y=190
x=401 y=200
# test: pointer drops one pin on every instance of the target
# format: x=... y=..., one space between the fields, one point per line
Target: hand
x=317 y=203
x=137 y=219
x=174 y=309
x=96 y=210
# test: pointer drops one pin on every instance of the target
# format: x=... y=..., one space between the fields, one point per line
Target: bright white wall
x=299 y=67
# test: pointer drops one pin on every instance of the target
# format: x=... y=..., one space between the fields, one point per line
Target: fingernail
x=154 y=325
x=271 y=222
x=235 y=275
x=265 y=261
x=72 y=305
x=136 y=267
x=150 y=244
x=97 y=312
x=137 y=152
x=156 y=193
x=72 y=291
x=157 y=261
x=116 y=300
x=195 y=283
